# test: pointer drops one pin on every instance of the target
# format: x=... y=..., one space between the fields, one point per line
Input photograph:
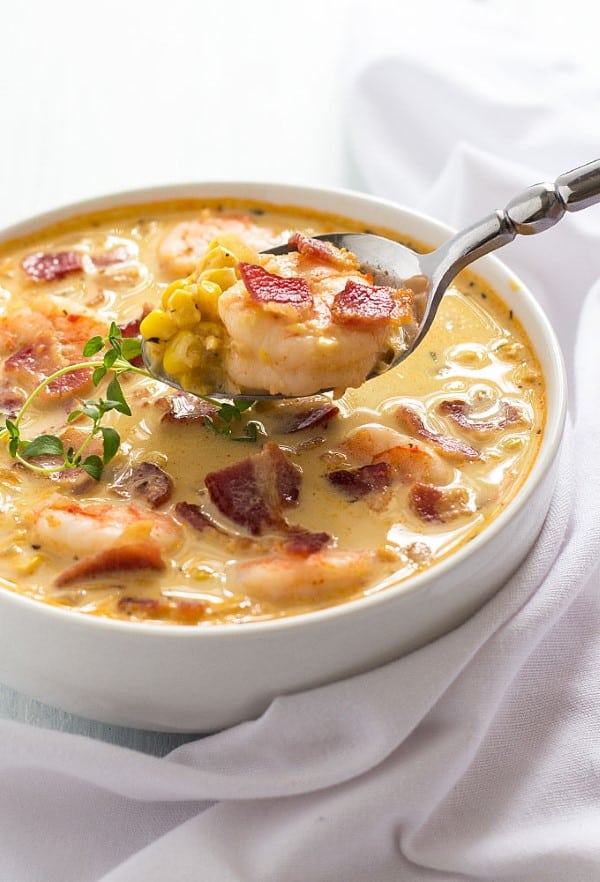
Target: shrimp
x=185 y=244
x=298 y=352
x=282 y=578
x=40 y=338
x=68 y=528
x=409 y=459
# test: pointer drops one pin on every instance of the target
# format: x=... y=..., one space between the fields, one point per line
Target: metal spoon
x=534 y=210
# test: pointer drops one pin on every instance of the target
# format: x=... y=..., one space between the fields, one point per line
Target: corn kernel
x=224 y=277
x=29 y=566
x=183 y=352
x=207 y=298
x=182 y=308
x=157 y=325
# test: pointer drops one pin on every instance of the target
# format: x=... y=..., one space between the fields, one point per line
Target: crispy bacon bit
x=451 y=447
x=265 y=287
x=293 y=419
x=326 y=252
x=11 y=400
x=194 y=516
x=302 y=542
x=119 y=558
x=461 y=413
x=46 y=267
x=372 y=305
x=120 y=254
x=146 y=481
x=435 y=504
x=188 y=612
x=132 y=329
x=186 y=409
x=253 y=492
x=356 y=483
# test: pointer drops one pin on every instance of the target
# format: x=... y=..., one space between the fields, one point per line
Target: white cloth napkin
x=478 y=756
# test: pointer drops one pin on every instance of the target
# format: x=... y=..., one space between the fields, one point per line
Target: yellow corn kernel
x=157 y=325
x=183 y=353
x=217 y=257
x=29 y=566
x=207 y=298
x=236 y=246
x=174 y=286
x=182 y=308
x=224 y=277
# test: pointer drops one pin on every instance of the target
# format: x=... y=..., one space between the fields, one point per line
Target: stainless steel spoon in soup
x=429 y=275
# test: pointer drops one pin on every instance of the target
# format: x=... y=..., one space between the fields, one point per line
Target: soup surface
x=142 y=503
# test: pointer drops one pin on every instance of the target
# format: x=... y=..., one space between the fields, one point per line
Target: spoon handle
x=534 y=210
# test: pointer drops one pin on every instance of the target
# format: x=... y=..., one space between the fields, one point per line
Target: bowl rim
x=303 y=196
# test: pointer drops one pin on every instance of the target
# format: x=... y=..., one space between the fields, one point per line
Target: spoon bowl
x=428 y=275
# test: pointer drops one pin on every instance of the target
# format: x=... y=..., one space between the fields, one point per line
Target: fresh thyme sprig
x=117 y=354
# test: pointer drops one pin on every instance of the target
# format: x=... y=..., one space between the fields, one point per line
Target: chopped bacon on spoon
x=324 y=252
x=356 y=483
x=439 y=504
x=462 y=414
x=269 y=289
x=372 y=305
x=446 y=446
x=47 y=266
x=145 y=481
x=144 y=555
x=253 y=492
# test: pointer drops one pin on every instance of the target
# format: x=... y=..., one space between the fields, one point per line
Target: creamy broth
x=428 y=454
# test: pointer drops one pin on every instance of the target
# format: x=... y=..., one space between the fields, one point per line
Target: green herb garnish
x=115 y=356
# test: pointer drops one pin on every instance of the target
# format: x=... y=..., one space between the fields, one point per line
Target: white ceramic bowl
x=175 y=678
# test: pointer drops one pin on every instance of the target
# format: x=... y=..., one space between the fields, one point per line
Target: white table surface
x=131 y=93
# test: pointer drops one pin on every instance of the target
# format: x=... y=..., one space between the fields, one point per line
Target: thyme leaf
x=115 y=356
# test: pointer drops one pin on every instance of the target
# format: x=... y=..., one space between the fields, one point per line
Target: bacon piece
x=291 y=419
x=11 y=400
x=435 y=504
x=194 y=516
x=120 y=254
x=132 y=329
x=303 y=542
x=323 y=251
x=356 y=483
x=253 y=492
x=119 y=558
x=372 y=305
x=265 y=287
x=186 y=611
x=451 y=447
x=47 y=266
x=146 y=481
x=186 y=409
x=461 y=413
